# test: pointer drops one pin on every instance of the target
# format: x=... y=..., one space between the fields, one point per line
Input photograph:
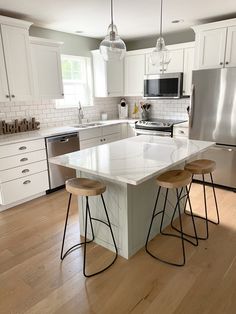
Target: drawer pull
x=25 y=171
x=23 y=159
x=181 y=132
x=27 y=182
x=22 y=148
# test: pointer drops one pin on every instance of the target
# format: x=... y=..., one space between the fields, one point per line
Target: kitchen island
x=128 y=168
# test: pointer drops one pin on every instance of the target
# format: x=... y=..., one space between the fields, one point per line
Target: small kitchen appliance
x=123 y=109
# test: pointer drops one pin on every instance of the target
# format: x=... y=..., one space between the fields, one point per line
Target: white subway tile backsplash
x=163 y=108
x=49 y=116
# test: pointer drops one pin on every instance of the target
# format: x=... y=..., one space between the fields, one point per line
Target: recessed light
x=177 y=21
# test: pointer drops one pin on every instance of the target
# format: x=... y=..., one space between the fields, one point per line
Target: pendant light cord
x=161 y=19
x=112 y=24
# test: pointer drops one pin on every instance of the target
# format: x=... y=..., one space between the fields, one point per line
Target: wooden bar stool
x=87 y=187
x=203 y=167
x=174 y=179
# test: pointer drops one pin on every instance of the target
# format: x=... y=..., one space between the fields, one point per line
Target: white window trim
x=59 y=103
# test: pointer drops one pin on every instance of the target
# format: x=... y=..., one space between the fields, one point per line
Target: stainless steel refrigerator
x=213 y=118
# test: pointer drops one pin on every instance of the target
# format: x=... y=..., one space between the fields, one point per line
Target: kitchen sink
x=87 y=125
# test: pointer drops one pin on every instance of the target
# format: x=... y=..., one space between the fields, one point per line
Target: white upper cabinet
x=215 y=45
x=46 y=60
x=134 y=74
x=4 y=91
x=212 y=48
x=230 y=56
x=188 y=69
x=176 y=61
x=108 y=76
x=17 y=60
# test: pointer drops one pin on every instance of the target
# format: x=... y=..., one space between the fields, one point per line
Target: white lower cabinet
x=23 y=171
x=100 y=135
x=181 y=130
x=19 y=189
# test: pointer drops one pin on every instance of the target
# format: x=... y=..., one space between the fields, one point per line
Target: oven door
x=168 y=85
x=152 y=132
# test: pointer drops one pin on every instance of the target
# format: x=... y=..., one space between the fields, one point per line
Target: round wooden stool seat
x=201 y=166
x=85 y=187
x=174 y=179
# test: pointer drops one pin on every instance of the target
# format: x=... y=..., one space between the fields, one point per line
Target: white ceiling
x=134 y=18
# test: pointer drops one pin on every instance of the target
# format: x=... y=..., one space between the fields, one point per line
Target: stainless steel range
x=158 y=127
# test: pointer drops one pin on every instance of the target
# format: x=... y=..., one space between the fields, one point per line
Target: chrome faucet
x=81 y=114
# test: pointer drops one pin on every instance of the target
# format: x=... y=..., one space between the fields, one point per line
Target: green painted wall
x=170 y=39
x=73 y=44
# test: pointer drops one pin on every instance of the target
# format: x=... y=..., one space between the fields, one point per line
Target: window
x=77 y=81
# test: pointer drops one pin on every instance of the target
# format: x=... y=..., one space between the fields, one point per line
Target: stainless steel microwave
x=169 y=85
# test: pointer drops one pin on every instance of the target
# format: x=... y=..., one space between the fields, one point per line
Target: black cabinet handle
x=7 y=96
x=22 y=148
x=25 y=170
x=12 y=96
x=27 y=182
x=23 y=159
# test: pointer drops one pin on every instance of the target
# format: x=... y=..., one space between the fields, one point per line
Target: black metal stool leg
x=192 y=216
x=206 y=219
x=108 y=224
x=65 y=226
x=217 y=210
x=167 y=234
x=78 y=245
x=181 y=229
x=87 y=211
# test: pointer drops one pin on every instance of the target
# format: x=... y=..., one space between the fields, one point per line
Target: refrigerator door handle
x=191 y=105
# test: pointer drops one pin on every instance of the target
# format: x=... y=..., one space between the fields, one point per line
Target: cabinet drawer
x=111 y=138
x=21 y=148
x=111 y=129
x=23 y=159
x=16 y=190
x=90 y=143
x=23 y=171
x=90 y=133
x=183 y=132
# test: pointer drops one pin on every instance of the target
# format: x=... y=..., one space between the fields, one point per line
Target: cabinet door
x=230 y=56
x=115 y=75
x=18 y=62
x=4 y=92
x=90 y=143
x=47 y=71
x=150 y=68
x=212 y=48
x=188 y=69
x=176 y=61
x=112 y=138
x=134 y=75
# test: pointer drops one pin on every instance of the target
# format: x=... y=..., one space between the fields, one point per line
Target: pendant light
x=160 y=55
x=112 y=47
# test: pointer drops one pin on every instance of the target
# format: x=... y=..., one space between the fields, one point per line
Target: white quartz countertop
x=133 y=160
x=46 y=132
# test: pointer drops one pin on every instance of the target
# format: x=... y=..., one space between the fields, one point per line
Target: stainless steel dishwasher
x=60 y=145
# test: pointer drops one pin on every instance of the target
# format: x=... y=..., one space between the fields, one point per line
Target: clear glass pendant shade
x=112 y=47
x=160 y=55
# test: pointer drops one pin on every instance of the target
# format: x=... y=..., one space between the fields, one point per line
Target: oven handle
x=155 y=133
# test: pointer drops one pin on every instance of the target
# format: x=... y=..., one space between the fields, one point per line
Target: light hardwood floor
x=33 y=280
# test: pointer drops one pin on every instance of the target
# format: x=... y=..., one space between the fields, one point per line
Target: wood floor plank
x=34 y=280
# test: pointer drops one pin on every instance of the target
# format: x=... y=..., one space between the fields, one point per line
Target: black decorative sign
x=19 y=126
